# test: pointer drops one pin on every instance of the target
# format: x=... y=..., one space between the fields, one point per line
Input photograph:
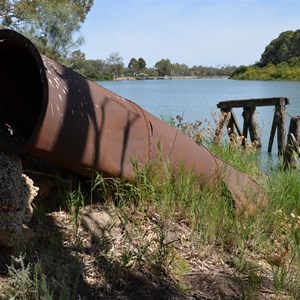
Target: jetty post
x=279 y=124
x=250 y=123
x=292 y=149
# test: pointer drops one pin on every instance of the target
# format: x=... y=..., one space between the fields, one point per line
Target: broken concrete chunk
x=17 y=191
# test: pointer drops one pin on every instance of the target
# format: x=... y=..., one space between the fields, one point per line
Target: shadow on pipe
x=52 y=113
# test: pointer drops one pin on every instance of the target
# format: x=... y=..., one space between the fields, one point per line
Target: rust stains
x=61 y=117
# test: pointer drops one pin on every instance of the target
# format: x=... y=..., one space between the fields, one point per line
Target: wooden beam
x=254 y=128
x=250 y=119
x=253 y=102
x=234 y=123
x=281 y=131
x=246 y=116
x=273 y=130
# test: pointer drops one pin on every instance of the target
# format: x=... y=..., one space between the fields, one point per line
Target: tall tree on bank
x=133 y=66
x=50 y=24
x=115 y=63
x=141 y=63
x=164 y=67
x=282 y=49
x=136 y=66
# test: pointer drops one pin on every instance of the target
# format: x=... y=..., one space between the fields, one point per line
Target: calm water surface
x=197 y=99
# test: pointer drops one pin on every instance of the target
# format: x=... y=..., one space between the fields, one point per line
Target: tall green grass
x=268 y=241
x=272 y=234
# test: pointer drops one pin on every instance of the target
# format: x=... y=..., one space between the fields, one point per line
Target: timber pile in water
x=16 y=194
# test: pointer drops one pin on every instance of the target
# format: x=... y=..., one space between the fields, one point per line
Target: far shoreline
x=130 y=78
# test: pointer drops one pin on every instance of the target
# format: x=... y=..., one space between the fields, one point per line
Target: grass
x=26 y=281
x=170 y=230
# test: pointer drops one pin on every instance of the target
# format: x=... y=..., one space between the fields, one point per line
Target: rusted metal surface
x=50 y=112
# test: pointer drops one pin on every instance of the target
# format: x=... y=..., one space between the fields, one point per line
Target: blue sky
x=194 y=32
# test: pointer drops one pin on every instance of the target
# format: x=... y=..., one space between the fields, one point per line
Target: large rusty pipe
x=51 y=112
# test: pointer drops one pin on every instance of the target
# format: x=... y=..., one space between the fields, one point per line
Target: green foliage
x=92 y=69
x=25 y=282
x=164 y=67
x=133 y=66
x=181 y=69
x=50 y=25
x=161 y=197
x=14 y=12
x=260 y=250
x=281 y=49
x=283 y=186
x=115 y=63
x=282 y=71
x=75 y=201
x=279 y=61
x=107 y=69
x=141 y=64
x=203 y=71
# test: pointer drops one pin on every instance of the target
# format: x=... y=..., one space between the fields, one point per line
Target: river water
x=197 y=99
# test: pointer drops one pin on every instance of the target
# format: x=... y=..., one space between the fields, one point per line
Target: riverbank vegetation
x=279 y=61
x=53 y=25
x=159 y=236
x=162 y=236
x=113 y=67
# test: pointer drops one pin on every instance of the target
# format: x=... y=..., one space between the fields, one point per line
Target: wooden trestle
x=250 y=119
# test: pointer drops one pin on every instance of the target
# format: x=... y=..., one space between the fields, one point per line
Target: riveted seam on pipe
x=148 y=125
x=120 y=131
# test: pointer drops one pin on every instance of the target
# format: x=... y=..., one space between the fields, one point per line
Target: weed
x=155 y=208
x=75 y=201
x=25 y=282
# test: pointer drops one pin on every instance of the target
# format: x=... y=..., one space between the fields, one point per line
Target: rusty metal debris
x=52 y=113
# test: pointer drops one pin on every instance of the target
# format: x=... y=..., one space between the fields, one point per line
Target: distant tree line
x=52 y=26
x=113 y=66
x=279 y=61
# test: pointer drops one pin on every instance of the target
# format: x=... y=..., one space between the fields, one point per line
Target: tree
x=14 y=12
x=133 y=66
x=51 y=25
x=92 y=69
x=77 y=55
x=294 y=61
x=95 y=69
x=282 y=49
x=181 y=69
x=136 y=66
x=115 y=63
x=141 y=63
x=164 y=67
x=76 y=62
